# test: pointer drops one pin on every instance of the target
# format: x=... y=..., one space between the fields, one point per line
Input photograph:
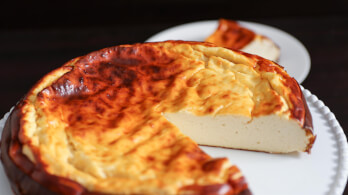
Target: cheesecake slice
x=232 y=35
x=127 y=120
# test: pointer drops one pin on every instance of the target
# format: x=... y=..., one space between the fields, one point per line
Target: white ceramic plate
x=323 y=172
x=294 y=57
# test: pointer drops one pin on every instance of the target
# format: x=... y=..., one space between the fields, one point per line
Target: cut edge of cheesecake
x=271 y=134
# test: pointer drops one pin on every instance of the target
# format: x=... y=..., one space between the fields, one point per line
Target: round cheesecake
x=128 y=120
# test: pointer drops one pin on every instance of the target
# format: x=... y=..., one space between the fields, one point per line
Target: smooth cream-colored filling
x=272 y=133
x=263 y=47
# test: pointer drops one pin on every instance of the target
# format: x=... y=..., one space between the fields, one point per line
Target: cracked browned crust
x=27 y=178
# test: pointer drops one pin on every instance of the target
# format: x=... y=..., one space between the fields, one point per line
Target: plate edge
x=340 y=179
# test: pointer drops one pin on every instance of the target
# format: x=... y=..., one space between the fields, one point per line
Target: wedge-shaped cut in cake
x=127 y=120
x=232 y=35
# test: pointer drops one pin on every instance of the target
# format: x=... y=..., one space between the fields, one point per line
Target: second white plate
x=294 y=57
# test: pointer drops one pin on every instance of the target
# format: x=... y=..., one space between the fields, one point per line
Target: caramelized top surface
x=231 y=35
x=98 y=119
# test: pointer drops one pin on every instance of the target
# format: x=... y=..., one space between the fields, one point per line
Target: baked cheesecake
x=127 y=120
x=232 y=35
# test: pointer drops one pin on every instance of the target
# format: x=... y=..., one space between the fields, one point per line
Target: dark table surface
x=30 y=50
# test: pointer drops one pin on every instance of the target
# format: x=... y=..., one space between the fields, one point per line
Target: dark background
x=38 y=36
x=67 y=14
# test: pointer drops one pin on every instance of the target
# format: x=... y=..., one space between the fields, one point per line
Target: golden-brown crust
x=87 y=88
x=71 y=87
x=27 y=178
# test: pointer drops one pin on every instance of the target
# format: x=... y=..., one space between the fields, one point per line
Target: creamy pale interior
x=263 y=47
x=105 y=125
x=271 y=133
